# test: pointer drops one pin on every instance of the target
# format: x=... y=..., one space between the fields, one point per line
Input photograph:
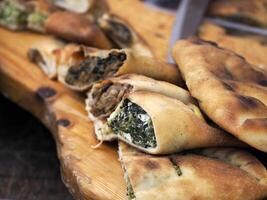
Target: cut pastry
x=85 y=66
x=42 y=16
x=230 y=91
x=204 y=174
x=153 y=116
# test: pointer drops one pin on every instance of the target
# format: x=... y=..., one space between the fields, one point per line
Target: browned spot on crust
x=46 y=92
x=249 y=102
x=159 y=35
x=63 y=122
x=263 y=82
x=253 y=124
x=151 y=165
x=228 y=86
x=161 y=26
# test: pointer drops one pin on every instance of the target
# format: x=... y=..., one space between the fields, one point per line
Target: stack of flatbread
x=182 y=129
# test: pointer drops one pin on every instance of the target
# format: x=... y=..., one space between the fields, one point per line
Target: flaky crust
x=246 y=11
x=207 y=174
x=76 y=28
x=230 y=90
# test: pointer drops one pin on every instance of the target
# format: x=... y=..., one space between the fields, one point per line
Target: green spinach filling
x=36 y=20
x=130 y=192
x=13 y=14
x=95 y=68
x=134 y=124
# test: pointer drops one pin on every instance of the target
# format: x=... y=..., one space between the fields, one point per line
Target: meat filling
x=105 y=100
x=94 y=69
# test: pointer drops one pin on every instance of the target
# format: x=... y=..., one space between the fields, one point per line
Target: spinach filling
x=130 y=192
x=176 y=167
x=36 y=20
x=134 y=124
x=94 y=69
x=12 y=14
x=119 y=33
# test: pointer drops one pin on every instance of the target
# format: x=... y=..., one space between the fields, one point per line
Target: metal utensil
x=188 y=18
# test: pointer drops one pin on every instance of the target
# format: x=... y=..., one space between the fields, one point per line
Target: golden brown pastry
x=76 y=28
x=252 y=12
x=85 y=66
x=123 y=35
x=42 y=16
x=252 y=47
x=229 y=90
x=204 y=174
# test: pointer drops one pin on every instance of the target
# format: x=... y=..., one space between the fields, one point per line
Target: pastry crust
x=123 y=35
x=78 y=28
x=244 y=11
x=230 y=90
x=238 y=42
x=205 y=174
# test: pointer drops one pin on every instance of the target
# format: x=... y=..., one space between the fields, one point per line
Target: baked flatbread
x=238 y=42
x=244 y=11
x=230 y=91
x=84 y=66
x=205 y=174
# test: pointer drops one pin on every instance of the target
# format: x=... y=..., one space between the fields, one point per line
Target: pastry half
x=204 y=174
x=85 y=66
x=230 y=91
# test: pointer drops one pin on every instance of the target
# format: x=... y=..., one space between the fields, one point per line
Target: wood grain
x=88 y=173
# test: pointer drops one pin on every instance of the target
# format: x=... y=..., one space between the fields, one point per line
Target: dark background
x=29 y=169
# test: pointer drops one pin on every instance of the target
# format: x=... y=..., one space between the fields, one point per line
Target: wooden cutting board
x=88 y=173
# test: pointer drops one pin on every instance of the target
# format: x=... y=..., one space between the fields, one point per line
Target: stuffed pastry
x=230 y=91
x=159 y=124
x=123 y=35
x=104 y=97
x=42 y=16
x=85 y=66
x=204 y=174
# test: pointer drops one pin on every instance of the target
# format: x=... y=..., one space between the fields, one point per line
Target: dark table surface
x=29 y=169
